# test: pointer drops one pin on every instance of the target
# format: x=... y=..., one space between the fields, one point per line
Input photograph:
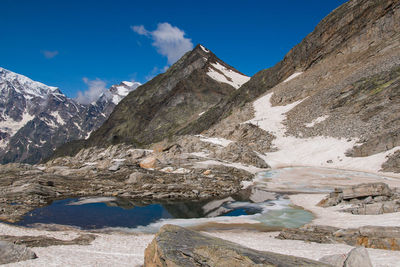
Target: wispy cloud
x=95 y=89
x=49 y=54
x=170 y=41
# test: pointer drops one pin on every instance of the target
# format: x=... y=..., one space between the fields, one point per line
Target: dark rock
x=177 y=246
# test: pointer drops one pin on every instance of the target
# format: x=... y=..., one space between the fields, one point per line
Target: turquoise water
x=121 y=213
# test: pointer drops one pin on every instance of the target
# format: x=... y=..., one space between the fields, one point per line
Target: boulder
x=177 y=246
x=358 y=257
x=149 y=162
x=365 y=190
x=10 y=252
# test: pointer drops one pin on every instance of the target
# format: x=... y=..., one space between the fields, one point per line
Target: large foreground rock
x=13 y=253
x=177 y=246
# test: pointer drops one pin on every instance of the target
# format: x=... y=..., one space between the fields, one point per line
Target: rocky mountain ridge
x=333 y=101
x=36 y=118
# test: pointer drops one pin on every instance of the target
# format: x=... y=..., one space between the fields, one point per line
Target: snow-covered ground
x=317 y=151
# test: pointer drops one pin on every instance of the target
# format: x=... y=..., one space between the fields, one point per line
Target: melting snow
x=294 y=75
x=317 y=151
x=224 y=75
x=316 y=121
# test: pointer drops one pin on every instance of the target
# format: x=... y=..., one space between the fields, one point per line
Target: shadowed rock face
x=177 y=246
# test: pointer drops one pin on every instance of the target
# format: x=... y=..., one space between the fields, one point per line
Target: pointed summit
x=167 y=103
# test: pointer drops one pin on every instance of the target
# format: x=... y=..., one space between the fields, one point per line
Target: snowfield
x=318 y=151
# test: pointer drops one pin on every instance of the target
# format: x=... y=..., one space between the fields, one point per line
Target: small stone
x=207 y=172
x=135 y=177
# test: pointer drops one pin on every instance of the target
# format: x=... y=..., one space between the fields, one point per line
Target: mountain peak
x=26 y=86
x=200 y=47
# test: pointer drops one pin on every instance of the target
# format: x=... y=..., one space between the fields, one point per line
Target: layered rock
x=366 y=199
x=367 y=236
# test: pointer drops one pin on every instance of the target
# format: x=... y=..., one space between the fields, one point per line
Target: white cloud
x=49 y=54
x=140 y=30
x=95 y=89
x=170 y=41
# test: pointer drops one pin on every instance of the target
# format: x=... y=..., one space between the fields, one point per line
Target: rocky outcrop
x=392 y=164
x=367 y=236
x=10 y=253
x=236 y=152
x=366 y=199
x=177 y=246
x=45 y=241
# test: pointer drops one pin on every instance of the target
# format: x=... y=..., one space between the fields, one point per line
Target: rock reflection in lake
x=250 y=206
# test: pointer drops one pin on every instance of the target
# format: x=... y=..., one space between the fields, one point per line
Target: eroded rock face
x=10 y=253
x=367 y=236
x=177 y=246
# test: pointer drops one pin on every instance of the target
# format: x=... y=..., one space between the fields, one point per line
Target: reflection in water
x=100 y=212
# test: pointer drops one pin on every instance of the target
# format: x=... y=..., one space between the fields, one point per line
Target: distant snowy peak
x=223 y=74
x=25 y=86
x=118 y=92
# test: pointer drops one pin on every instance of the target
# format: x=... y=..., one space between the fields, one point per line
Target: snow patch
x=291 y=77
x=221 y=74
x=204 y=49
x=58 y=118
x=11 y=126
x=217 y=141
x=316 y=121
x=318 y=151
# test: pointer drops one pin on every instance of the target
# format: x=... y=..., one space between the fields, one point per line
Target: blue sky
x=72 y=43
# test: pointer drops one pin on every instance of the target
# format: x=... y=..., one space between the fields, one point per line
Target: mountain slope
x=36 y=118
x=167 y=103
x=334 y=100
x=366 y=19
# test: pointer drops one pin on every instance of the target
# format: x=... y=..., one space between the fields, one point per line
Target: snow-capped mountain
x=36 y=118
